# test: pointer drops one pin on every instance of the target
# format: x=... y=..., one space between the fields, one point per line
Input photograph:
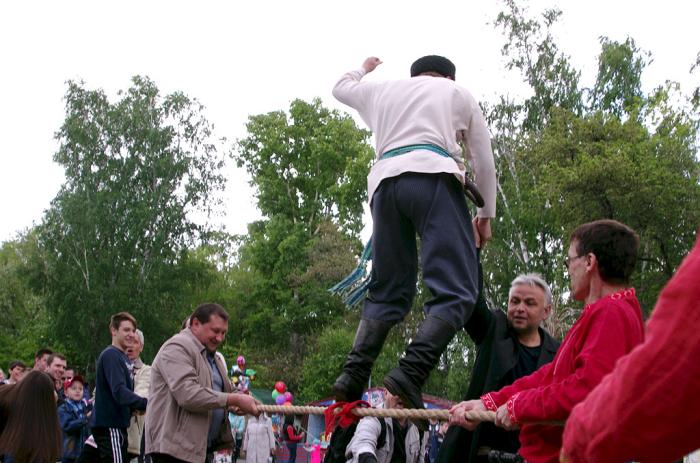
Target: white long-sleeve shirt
x=423 y=110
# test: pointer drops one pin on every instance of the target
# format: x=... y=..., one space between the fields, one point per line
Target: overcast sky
x=241 y=58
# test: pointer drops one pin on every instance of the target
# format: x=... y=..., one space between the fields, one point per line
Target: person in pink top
x=648 y=408
x=416 y=188
x=600 y=260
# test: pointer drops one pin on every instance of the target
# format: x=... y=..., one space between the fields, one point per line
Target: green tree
x=600 y=167
x=563 y=161
x=527 y=237
x=118 y=230
x=308 y=167
x=618 y=87
x=530 y=48
x=25 y=325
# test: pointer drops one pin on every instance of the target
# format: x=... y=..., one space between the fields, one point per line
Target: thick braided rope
x=442 y=415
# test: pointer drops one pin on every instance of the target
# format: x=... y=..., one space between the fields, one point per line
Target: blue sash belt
x=408 y=148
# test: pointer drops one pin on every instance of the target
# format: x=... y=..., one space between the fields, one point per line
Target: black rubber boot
x=422 y=355
x=369 y=339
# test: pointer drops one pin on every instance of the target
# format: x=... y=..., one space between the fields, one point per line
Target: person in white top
x=421 y=126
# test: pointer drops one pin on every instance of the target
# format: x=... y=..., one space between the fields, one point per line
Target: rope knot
x=340 y=414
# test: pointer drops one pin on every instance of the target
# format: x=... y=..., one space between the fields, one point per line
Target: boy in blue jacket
x=73 y=415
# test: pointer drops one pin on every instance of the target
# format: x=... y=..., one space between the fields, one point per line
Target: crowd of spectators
x=26 y=391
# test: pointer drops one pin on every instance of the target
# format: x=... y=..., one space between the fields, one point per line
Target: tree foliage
x=531 y=48
x=119 y=235
x=567 y=157
x=308 y=166
x=618 y=86
x=116 y=236
x=25 y=325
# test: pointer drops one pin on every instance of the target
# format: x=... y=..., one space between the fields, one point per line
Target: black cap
x=433 y=63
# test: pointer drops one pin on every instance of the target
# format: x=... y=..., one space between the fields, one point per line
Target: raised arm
x=350 y=90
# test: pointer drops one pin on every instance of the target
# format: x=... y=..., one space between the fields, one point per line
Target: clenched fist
x=371 y=63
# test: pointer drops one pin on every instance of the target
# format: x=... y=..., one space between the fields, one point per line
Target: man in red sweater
x=600 y=260
x=647 y=409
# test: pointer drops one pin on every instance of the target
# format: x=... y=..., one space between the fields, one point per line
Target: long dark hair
x=31 y=433
x=290 y=420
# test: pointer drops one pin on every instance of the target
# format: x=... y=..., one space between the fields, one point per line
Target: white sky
x=241 y=58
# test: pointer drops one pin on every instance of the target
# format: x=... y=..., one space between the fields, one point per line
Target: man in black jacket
x=509 y=345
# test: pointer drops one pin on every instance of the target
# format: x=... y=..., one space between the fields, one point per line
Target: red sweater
x=293 y=436
x=648 y=408
x=606 y=330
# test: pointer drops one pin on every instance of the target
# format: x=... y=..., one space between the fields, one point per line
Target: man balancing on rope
x=416 y=186
x=600 y=260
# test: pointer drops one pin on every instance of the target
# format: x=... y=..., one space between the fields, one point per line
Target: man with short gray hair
x=509 y=345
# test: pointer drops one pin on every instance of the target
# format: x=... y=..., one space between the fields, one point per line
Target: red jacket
x=648 y=409
x=292 y=436
x=606 y=330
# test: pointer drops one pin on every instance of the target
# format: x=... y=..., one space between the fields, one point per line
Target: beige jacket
x=142 y=381
x=180 y=400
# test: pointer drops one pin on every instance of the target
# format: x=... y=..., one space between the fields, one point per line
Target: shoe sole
x=342 y=393
x=393 y=387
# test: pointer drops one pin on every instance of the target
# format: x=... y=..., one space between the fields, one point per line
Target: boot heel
x=369 y=339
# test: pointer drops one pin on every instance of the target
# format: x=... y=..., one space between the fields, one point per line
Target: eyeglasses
x=569 y=259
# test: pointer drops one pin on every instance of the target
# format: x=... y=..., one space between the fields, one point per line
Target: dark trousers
x=111 y=447
x=434 y=207
x=237 y=449
x=292 y=448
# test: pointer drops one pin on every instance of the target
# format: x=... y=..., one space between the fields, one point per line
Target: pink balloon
x=288 y=397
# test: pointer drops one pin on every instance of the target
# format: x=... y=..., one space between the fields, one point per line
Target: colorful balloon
x=288 y=397
x=280 y=387
x=280 y=399
x=275 y=393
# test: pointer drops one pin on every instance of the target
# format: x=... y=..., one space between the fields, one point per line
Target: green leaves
x=618 y=87
x=119 y=235
x=307 y=165
x=25 y=325
x=617 y=154
x=116 y=235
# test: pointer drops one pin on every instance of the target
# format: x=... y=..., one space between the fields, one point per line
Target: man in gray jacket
x=190 y=392
x=402 y=441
